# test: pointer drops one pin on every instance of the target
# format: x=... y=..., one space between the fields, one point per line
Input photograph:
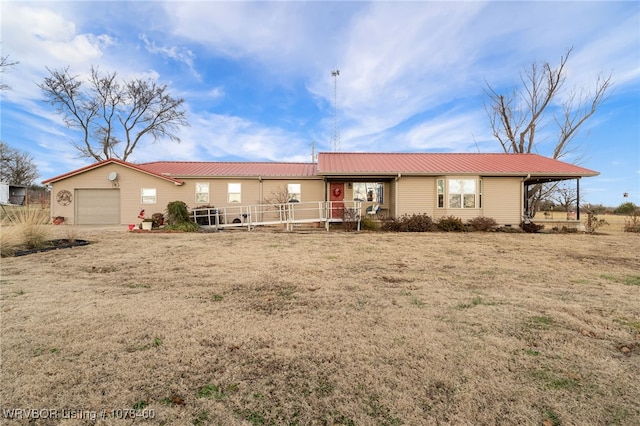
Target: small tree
x=565 y=195
x=592 y=223
x=113 y=117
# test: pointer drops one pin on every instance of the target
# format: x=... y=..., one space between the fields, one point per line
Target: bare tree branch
x=5 y=65
x=108 y=112
x=516 y=119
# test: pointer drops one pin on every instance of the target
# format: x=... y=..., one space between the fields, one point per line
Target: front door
x=336 y=196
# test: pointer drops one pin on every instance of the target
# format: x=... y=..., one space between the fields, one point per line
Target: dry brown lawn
x=320 y=328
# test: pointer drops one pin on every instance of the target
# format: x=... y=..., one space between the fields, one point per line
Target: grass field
x=263 y=328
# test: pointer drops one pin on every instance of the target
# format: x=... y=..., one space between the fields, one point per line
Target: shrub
x=25 y=227
x=531 y=227
x=451 y=224
x=482 y=224
x=183 y=227
x=368 y=224
x=632 y=223
x=510 y=230
x=177 y=212
x=627 y=209
x=406 y=223
x=592 y=223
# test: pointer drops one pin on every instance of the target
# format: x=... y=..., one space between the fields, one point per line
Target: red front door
x=336 y=196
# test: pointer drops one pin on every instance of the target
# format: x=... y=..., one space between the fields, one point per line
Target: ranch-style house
x=464 y=185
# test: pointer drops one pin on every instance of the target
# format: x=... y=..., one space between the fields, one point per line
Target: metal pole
x=578 y=199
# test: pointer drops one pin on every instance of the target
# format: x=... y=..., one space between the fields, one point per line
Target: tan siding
x=501 y=199
x=130 y=183
x=312 y=190
x=416 y=195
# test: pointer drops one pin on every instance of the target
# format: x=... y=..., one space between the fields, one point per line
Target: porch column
x=526 y=200
x=578 y=199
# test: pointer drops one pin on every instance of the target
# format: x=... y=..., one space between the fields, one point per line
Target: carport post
x=578 y=199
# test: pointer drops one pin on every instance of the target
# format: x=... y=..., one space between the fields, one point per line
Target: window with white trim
x=202 y=193
x=234 y=192
x=462 y=193
x=294 y=190
x=148 y=196
x=440 y=193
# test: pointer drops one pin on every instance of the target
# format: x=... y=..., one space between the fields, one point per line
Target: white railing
x=289 y=214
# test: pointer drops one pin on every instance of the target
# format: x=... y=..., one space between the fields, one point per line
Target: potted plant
x=147 y=224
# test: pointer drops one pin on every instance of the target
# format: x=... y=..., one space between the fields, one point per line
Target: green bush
x=368 y=224
x=482 y=224
x=626 y=209
x=183 y=227
x=451 y=224
x=177 y=212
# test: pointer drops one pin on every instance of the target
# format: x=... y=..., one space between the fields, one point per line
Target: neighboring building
x=461 y=185
x=13 y=194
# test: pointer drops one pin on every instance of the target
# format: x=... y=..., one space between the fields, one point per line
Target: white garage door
x=97 y=207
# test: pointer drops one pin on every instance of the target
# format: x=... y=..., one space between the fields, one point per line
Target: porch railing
x=288 y=214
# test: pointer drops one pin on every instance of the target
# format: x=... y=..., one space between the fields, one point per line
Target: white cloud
x=217 y=136
x=179 y=54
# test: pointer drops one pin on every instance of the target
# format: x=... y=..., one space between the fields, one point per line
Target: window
x=440 y=193
x=368 y=191
x=202 y=193
x=462 y=193
x=295 y=191
x=148 y=195
x=234 y=192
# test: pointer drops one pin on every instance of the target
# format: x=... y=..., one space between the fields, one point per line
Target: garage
x=97 y=206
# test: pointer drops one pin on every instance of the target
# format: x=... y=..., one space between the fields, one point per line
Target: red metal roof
x=179 y=169
x=105 y=162
x=340 y=163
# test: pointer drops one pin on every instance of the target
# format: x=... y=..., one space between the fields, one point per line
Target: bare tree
x=5 y=65
x=113 y=117
x=565 y=196
x=516 y=118
x=16 y=167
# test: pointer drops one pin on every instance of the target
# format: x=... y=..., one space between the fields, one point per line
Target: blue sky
x=256 y=76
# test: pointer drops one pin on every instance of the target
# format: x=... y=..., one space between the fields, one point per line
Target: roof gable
x=446 y=163
x=104 y=163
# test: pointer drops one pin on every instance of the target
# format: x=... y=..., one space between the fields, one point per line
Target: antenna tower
x=335 y=142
